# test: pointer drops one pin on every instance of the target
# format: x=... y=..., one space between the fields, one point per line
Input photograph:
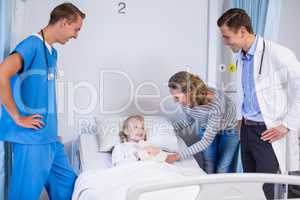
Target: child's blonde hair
x=122 y=134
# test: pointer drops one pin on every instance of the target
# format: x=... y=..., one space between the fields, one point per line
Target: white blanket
x=113 y=183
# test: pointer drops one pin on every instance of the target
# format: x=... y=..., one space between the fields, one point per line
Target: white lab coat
x=278 y=94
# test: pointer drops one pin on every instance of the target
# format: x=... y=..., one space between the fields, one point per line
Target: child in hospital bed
x=133 y=146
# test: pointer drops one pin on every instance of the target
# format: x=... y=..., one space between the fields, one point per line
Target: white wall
x=226 y=78
x=149 y=43
x=152 y=41
x=289 y=25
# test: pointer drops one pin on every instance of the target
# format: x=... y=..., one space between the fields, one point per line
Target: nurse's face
x=179 y=97
x=136 y=130
x=69 y=30
x=234 y=39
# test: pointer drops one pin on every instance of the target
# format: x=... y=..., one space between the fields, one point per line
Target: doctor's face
x=233 y=39
x=69 y=30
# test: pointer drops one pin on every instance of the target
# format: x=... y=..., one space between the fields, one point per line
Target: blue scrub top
x=33 y=94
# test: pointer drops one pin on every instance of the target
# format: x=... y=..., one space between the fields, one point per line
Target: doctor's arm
x=12 y=65
x=291 y=73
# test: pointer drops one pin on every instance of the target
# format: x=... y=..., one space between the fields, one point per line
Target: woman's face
x=136 y=130
x=179 y=97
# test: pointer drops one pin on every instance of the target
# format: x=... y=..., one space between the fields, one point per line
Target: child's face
x=136 y=131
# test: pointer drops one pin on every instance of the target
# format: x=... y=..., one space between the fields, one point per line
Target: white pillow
x=160 y=133
x=108 y=132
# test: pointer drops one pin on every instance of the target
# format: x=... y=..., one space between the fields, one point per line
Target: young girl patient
x=133 y=146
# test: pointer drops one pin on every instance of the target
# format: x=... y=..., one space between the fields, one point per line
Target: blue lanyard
x=51 y=75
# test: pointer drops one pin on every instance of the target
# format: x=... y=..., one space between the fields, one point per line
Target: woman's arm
x=212 y=128
x=183 y=123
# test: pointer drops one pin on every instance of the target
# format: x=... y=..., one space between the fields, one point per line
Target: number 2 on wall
x=122 y=6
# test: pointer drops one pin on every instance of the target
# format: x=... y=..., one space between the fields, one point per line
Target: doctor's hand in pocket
x=31 y=121
x=273 y=134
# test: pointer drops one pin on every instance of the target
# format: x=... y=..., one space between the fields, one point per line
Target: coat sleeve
x=290 y=67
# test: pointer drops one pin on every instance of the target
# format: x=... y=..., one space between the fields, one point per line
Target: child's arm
x=143 y=155
x=152 y=150
x=118 y=154
x=146 y=151
x=123 y=154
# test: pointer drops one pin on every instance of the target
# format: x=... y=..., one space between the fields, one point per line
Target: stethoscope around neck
x=261 y=59
x=51 y=71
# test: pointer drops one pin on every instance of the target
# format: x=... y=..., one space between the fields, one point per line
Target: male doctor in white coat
x=268 y=98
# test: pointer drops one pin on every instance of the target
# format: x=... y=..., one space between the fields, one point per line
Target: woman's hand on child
x=152 y=150
x=171 y=158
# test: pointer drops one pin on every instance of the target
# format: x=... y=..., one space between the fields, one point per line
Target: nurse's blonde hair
x=122 y=133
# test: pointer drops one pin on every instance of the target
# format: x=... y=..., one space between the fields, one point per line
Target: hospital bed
x=200 y=186
x=92 y=159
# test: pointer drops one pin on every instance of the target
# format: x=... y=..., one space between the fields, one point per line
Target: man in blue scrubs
x=29 y=118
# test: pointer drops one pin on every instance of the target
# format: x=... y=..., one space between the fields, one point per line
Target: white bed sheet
x=93 y=162
x=114 y=183
x=92 y=159
x=228 y=186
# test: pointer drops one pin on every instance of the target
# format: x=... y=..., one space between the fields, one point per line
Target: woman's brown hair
x=191 y=85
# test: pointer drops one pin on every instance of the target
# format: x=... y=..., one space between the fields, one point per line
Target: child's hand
x=171 y=158
x=143 y=155
x=152 y=150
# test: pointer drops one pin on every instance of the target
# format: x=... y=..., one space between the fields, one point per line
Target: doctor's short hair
x=65 y=11
x=191 y=85
x=122 y=133
x=236 y=18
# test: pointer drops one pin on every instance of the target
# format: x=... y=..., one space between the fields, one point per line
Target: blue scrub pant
x=39 y=166
x=220 y=156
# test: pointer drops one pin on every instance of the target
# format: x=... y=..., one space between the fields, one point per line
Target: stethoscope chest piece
x=51 y=76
